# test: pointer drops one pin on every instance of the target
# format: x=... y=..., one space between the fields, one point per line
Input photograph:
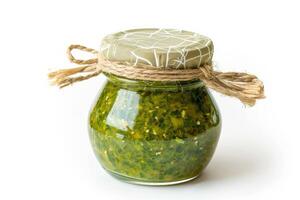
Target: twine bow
x=246 y=87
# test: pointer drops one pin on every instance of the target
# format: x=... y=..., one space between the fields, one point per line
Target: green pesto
x=154 y=132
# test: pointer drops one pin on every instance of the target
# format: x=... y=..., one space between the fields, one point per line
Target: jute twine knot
x=246 y=87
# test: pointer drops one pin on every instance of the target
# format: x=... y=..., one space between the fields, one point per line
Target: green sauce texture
x=152 y=132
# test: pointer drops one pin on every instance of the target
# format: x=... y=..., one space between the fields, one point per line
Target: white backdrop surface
x=44 y=147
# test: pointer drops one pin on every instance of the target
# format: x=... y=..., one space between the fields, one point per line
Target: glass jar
x=153 y=133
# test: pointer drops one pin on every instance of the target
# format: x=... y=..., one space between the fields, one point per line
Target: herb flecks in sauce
x=155 y=134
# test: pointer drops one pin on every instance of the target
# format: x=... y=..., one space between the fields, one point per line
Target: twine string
x=246 y=87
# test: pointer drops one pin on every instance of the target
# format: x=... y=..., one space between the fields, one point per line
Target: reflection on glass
x=124 y=111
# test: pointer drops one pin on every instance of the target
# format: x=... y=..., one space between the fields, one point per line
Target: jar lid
x=163 y=48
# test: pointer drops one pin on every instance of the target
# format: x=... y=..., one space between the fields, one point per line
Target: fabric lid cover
x=163 y=48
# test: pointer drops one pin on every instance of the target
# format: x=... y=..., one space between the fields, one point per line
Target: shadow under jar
x=153 y=133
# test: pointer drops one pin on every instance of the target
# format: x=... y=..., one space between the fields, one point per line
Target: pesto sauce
x=153 y=132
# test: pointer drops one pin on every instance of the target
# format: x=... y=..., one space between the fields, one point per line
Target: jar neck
x=154 y=85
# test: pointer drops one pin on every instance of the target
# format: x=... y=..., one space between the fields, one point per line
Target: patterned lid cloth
x=163 y=48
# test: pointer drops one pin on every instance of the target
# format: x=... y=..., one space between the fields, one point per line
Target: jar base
x=148 y=183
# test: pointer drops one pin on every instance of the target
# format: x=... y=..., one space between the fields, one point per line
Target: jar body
x=154 y=134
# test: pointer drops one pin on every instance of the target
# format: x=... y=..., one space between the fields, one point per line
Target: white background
x=44 y=146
